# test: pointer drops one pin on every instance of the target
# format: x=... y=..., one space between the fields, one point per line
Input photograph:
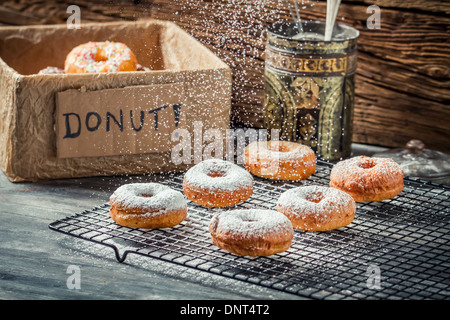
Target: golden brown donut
x=317 y=208
x=279 y=160
x=368 y=179
x=251 y=232
x=147 y=206
x=217 y=183
x=104 y=56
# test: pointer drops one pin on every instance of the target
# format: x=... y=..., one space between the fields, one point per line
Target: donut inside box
x=97 y=124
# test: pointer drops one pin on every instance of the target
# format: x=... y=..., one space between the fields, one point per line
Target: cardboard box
x=79 y=125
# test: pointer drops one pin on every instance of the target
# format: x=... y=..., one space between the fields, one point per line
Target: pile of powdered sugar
x=149 y=196
x=270 y=149
x=251 y=223
x=231 y=177
x=363 y=170
x=316 y=200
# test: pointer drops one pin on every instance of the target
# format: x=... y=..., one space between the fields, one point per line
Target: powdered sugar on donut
x=154 y=197
x=316 y=200
x=361 y=170
x=363 y=164
x=217 y=174
x=252 y=223
x=270 y=149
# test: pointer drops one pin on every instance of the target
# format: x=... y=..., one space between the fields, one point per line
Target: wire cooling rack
x=395 y=249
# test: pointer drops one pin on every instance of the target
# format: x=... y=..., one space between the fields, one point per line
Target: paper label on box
x=130 y=120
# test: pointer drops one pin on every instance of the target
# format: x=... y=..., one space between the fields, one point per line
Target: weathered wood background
x=403 y=76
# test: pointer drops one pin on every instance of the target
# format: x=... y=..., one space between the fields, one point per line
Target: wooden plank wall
x=403 y=76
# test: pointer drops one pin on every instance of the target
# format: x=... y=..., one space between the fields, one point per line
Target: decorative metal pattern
x=312 y=65
x=309 y=92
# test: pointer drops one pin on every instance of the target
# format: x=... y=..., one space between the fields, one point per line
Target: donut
x=251 y=232
x=317 y=208
x=104 y=56
x=368 y=179
x=217 y=183
x=279 y=160
x=147 y=206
